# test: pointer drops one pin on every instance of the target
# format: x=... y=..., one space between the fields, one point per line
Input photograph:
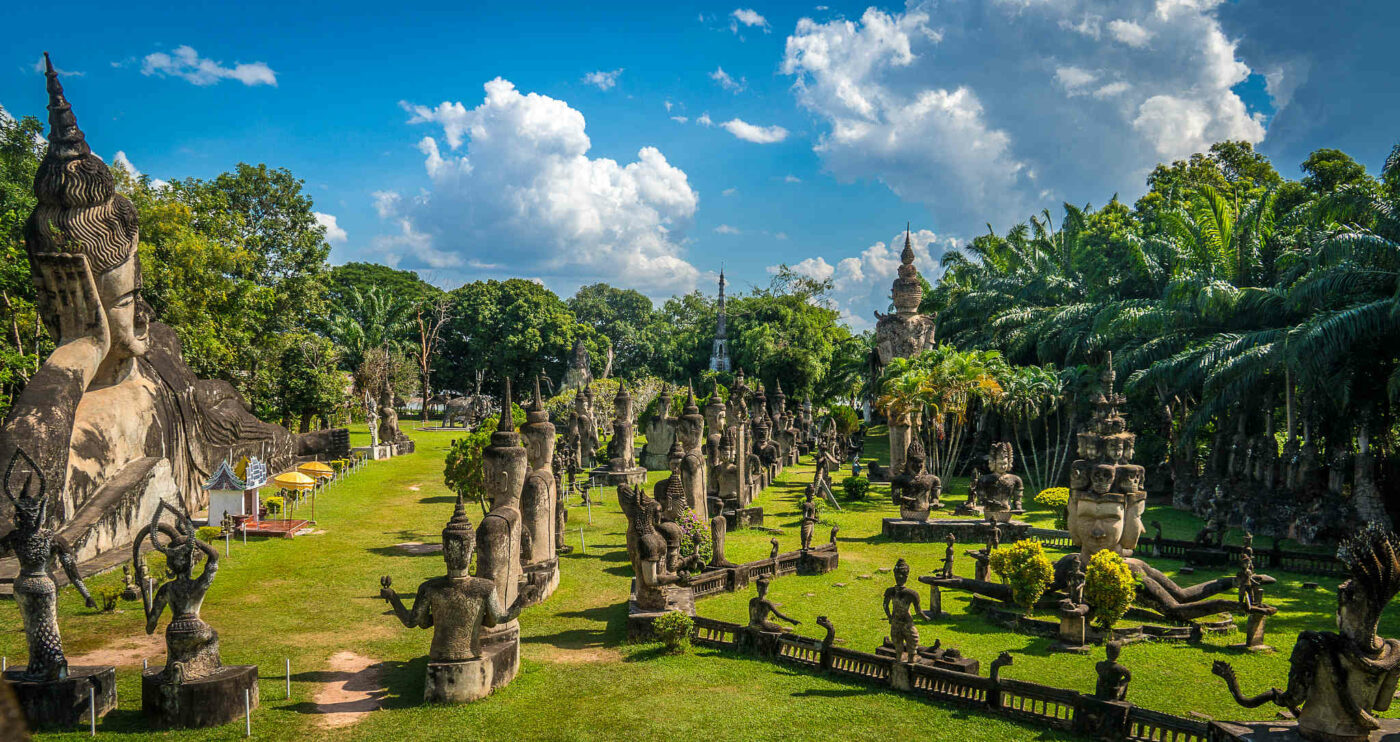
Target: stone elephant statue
x=465 y=412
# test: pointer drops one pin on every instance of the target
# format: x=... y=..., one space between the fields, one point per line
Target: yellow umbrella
x=316 y=469
x=293 y=480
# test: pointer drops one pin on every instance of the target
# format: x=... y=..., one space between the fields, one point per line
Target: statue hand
x=386 y=591
x=66 y=280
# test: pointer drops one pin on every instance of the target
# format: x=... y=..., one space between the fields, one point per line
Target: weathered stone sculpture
x=1336 y=681
x=1105 y=512
x=194 y=689
x=999 y=491
x=466 y=412
x=904 y=334
x=690 y=434
x=916 y=491
x=456 y=607
x=583 y=430
x=580 y=374
x=538 y=500
x=649 y=552
x=622 y=463
x=900 y=600
x=809 y=518
x=760 y=607
x=948 y=555
x=114 y=419
x=660 y=432
x=1112 y=684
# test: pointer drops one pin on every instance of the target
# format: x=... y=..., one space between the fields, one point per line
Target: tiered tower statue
x=719 y=356
x=904 y=334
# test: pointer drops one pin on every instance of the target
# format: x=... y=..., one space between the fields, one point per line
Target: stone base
x=947 y=659
x=544 y=576
x=375 y=453
x=1124 y=631
x=968 y=511
x=639 y=621
x=63 y=704
x=635 y=476
x=207 y=702
x=743 y=518
x=458 y=682
x=819 y=560
x=1287 y=731
x=965 y=530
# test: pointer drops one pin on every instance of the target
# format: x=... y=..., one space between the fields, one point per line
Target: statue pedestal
x=376 y=453
x=503 y=657
x=818 y=560
x=1254 y=634
x=544 y=575
x=635 y=476
x=63 y=704
x=1285 y=731
x=639 y=619
x=206 y=702
x=458 y=682
x=743 y=518
x=1073 y=636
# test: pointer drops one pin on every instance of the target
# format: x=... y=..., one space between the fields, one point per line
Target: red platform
x=269 y=527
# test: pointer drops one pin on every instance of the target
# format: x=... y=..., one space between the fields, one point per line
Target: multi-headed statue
x=191 y=645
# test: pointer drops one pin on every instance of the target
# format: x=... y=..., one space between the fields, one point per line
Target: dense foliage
x=1109 y=588
x=1024 y=566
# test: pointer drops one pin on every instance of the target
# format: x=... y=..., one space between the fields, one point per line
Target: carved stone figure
x=129 y=591
x=999 y=491
x=809 y=519
x=622 y=462
x=948 y=555
x=694 y=469
x=388 y=417
x=499 y=535
x=1336 y=681
x=114 y=418
x=35 y=591
x=647 y=547
x=580 y=374
x=466 y=412
x=901 y=605
x=905 y=333
x=539 y=497
x=915 y=491
x=760 y=607
x=1112 y=684
x=192 y=646
x=456 y=607
x=583 y=430
x=660 y=432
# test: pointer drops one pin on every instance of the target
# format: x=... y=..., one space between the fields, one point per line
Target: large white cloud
x=860 y=285
x=524 y=198
x=990 y=113
x=335 y=234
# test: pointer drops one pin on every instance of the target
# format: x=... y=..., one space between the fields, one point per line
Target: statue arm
x=887 y=604
x=154 y=606
x=496 y=614
x=422 y=613
x=70 y=568
x=779 y=614
x=211 y=565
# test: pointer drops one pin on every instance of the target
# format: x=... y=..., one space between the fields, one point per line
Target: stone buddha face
x=1097 y=524
x=1000 y=459
x=1113 y=449
x=1088 y=446
x=118 y=290
x=457 y=552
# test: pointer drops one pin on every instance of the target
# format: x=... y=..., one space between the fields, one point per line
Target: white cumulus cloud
x=860 y=284
x=186 y=64
x=1129 y=33
x=335 y=234
x=525 y=198
x=606 y=80
x=747 y=17
x=753 y=133
x=727 y=82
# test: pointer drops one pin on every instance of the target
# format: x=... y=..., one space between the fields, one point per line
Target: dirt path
x=356 y=688
x=126 y=652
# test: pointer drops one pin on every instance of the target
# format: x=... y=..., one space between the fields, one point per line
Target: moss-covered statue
x=191 y=645
x=1337 y=681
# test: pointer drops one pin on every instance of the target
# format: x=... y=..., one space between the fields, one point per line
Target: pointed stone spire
x=506 y=424
x=907 y=257
x=66 y=140
x=459 y=526
x=690 y=407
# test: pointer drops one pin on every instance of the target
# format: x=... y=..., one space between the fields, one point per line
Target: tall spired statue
x=719 y=357
x=904 y=334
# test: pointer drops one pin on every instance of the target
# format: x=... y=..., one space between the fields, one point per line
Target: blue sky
x=610 y=146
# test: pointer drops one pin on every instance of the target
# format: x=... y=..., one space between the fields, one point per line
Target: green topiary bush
x=108 y=597
x=1109 y=588
x=1056 y=500
x=855 y=487
x=274 y=505
x=673 y=630
x=1024 y=566
x=207 y=534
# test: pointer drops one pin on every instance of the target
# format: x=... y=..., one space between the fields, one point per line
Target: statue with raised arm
x=901 y=605
x=809 y=518
x=191 y=645
x=35 y=591
x=456 y=607
x=1337 y=681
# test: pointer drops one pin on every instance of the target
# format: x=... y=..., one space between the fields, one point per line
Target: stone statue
x=466 y=412
x=129 y=591
x=948 y=555
x=622 y=461
x=580 y=374
x=372 y=418
x=915 y=490
x=539 y=497
x=1112 y=684
x=694 y=469
x=900 y=600
x=1337 y=680
x=583 y=430
x=999 y=491
x=191 y=645
x=647 y=547
x=456 y=607
x=760 y=607
x=35 y=591
x=809 y=518
x=905 y=333
x=660 y=433
x=113 y=418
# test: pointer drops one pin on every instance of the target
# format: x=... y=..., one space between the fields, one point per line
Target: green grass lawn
x=314 y=596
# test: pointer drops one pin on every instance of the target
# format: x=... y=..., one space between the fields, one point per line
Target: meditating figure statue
x=901 y=605
x=35 y=591
x=1112 y=684
x=760 y=607
x=1337 y=680
x=999 y=491
x=191 y=645
x=648 y=548
x=915 y=490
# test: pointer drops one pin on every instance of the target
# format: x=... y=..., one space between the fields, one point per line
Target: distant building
x=719 y=356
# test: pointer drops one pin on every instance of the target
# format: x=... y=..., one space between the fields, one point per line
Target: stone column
x=498 y=536
x=900 y=435
x=538 y=500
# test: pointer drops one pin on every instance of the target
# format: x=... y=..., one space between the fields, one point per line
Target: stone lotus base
x=1287 y=731
x=64 y=704
x=635 y=476
x=965 y=530
x=743 y=518
x=545 y=576
x=207 y=702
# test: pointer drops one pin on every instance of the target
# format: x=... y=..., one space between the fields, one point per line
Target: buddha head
x=1089 y=446
x=1097 y=523
x=901 y=572
x=458 y=540
x=1001 y=458
x=79 y=212
x=1113 y=449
